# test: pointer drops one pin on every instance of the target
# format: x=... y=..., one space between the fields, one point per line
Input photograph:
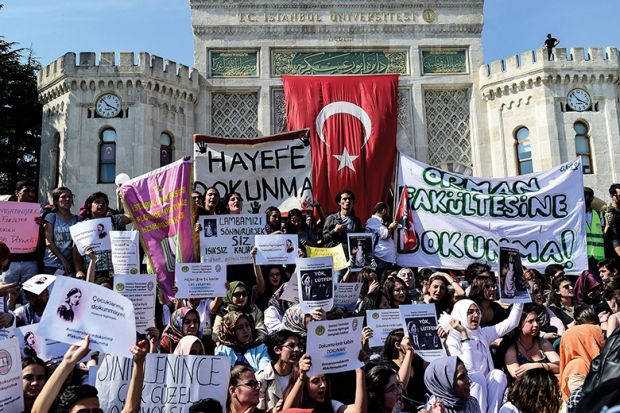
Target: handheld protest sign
x=125 y=252
x=334 y=345
x=198 y=280
x=142 y=291
x=382 y=322
x=38 y=283
x=78 y=308
x=18 y=227
x=94 y=233
x=315 y=283
x=420 y=322
x=11 y=391
x=172 y=383
x=512 y=287
x=276 y=249
x=229 y=238
x=360 y=251
x=33 y=345
x=337 y=252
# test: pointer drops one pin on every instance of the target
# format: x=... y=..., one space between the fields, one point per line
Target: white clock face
x=579 y=100
x=108 y=106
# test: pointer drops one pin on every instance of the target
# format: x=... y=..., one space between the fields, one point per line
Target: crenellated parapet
x=104 y=72
x=532 y=68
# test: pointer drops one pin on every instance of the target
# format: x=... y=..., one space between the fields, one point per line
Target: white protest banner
x=382 y=323
x=79 y=308
x=334 y=345
x=11 y=390
x=276 y=249
x=513 y=287
x=460 y=219
x=33 y=345
x=198 y=280
x=18 y=228
x=266 y=171
x=361 y=251
x=93 y=232
x=171 y=383
x=38 y=283
x=420 y=322
x=141 y=290
x=346 y=294
x=316 y=283
x=125 y=252
x=229 y=238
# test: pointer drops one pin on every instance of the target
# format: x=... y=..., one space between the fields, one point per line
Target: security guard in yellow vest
x=595 y=227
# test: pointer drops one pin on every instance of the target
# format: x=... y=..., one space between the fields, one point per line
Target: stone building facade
x=454 y=112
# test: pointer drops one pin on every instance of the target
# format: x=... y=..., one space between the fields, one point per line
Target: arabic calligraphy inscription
x=234 y=64
x=339 y=62
x=444 y=61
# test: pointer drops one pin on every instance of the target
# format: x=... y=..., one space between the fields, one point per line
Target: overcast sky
x=163 y=27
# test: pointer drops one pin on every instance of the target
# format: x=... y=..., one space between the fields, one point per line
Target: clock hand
x=582 y=101
x=109 y=105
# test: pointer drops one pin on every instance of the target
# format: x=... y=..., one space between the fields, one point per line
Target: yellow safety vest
x=594 y=233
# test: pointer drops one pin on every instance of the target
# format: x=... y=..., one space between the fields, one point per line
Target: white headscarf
x=459 y=312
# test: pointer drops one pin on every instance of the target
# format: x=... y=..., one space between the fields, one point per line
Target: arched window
x=165 y=150
x=523 y=150
x=582 y=146
x=107 y=156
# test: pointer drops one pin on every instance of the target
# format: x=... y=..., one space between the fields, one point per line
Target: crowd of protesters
x=558 y=353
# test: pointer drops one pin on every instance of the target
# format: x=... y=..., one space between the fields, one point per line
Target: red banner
x=353 y=122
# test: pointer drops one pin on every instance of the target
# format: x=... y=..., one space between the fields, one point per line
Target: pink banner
x=18 y=229
x=159 y=203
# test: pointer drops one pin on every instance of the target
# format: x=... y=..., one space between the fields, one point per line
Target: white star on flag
x=346 y=160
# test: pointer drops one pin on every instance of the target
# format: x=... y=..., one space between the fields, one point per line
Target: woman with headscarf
x=190 y=345
x=588 y=288
x=276 y=307
x=239 y=340
x=447 y=380
x=580 y=345
x=238 y=299
x=471 y=343
x=183 y=322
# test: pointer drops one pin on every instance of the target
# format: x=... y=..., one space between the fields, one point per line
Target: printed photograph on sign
x=315 y=283
x=419 y=322
x=513 y=287
x=210 y=227
x=360 y=251
x=70 y=308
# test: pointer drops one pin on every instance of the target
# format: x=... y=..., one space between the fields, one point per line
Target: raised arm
x=293 y=398
x=45 y=399
x=258 y=272
x=492 y=333
x=134 y=394
x=360 y=404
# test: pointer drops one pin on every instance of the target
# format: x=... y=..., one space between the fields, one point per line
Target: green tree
x=20 y=117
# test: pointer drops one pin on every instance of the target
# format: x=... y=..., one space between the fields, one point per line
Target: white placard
x=171 y=383
x=32 y=344
x=316 y=283
x=125 y=252
x=38 y=283
x=334 y=345
x=79 y=308
x=276 y=249
x=229 y=238
x=141 y=290
x=382 y=323
x=360 y=251
x=11 y=391
x=459 y=219
x=513 y=287
x=9 y=331
x=346 y=294
x=420 y=322
x=93 y=232
x=200 y=280
x=291 y=290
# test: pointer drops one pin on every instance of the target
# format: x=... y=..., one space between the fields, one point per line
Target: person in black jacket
x=339 y=224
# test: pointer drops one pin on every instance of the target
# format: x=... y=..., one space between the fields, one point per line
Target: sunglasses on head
x=240 y=294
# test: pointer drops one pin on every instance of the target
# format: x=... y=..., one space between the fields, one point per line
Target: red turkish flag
x=352 y=122
x=404 y=216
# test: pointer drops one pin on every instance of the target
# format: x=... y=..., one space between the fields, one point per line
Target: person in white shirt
x=472 y=345
x=382 y=230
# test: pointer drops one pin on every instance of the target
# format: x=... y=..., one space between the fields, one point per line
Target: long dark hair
x=395 y=336
x=390 y=285
x=535 y=391
x=89 y=203
x=306 y=403
x=555 y=298
x=376 y=380
x=56 y=193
